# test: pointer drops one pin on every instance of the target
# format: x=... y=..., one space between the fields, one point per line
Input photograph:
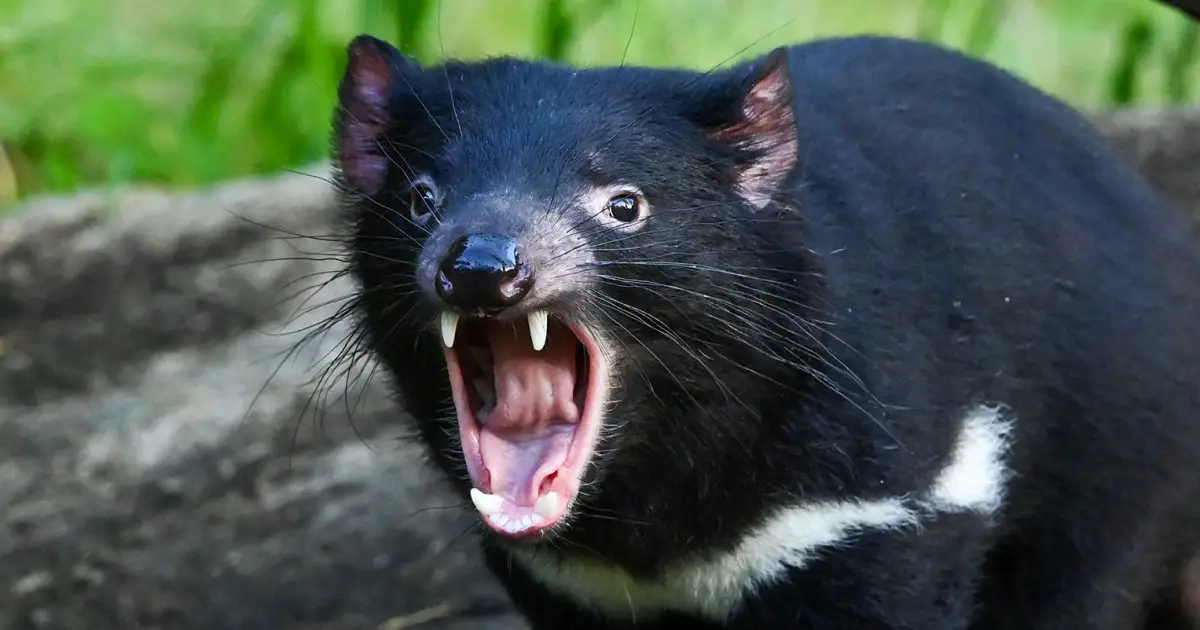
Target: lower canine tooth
x=449 y=327
x=545 y=505
x=487 y=504
x=539 y=323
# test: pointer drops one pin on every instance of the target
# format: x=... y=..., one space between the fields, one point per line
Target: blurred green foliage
x=184 y=92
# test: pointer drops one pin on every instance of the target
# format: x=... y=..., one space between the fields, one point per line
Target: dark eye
x=421 y=201
x=625 y=207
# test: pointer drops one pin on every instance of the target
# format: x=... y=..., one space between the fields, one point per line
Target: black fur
x=939 y=235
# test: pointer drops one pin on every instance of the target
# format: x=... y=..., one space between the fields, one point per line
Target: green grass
x=186 y=92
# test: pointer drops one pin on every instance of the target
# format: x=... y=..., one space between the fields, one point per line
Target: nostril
x=443 y=284
x=516 y=284
x=483 y=272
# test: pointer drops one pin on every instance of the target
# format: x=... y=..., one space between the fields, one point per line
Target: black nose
x=483 y=272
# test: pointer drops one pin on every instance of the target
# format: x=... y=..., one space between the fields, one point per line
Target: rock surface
x=166 y=463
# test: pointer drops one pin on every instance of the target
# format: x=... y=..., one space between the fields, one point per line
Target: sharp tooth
x=539 y=323
x=545 y=505
x=449 y=327
x=487 y=504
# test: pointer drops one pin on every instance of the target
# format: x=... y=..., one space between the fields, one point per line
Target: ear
x=373 y=68
x=765 y=131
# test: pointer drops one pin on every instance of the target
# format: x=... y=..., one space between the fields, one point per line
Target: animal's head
x=565 y=271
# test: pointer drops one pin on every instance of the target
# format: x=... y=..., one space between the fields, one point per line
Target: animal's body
x=860 y=334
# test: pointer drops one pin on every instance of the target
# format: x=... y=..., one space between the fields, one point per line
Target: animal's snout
x=483 y=272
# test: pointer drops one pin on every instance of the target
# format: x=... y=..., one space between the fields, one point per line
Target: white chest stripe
x=973 y=480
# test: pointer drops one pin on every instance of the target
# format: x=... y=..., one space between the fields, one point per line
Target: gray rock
x=175 y=451
x=1165 y=146
x=180 y=447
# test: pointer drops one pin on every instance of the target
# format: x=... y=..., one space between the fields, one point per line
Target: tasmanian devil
x=864 y=333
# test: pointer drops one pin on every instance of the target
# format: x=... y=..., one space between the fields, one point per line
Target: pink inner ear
x=363 y=163
x=364 y=119
x=767 y=128
x=369 y=74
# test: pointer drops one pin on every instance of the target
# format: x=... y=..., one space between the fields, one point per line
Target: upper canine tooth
x=487 y=504
x=449 y=327
x=539 y=323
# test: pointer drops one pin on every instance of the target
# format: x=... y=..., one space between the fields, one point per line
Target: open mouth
x=529 y=395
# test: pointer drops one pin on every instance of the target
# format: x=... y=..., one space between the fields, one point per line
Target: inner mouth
x=528 y=395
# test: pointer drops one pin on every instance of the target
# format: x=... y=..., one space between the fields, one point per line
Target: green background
x=186 y=92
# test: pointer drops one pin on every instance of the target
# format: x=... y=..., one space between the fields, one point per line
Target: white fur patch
x=714 y=587
x=975 y=478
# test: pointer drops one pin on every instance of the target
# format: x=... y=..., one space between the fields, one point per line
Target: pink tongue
x=527 y=435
